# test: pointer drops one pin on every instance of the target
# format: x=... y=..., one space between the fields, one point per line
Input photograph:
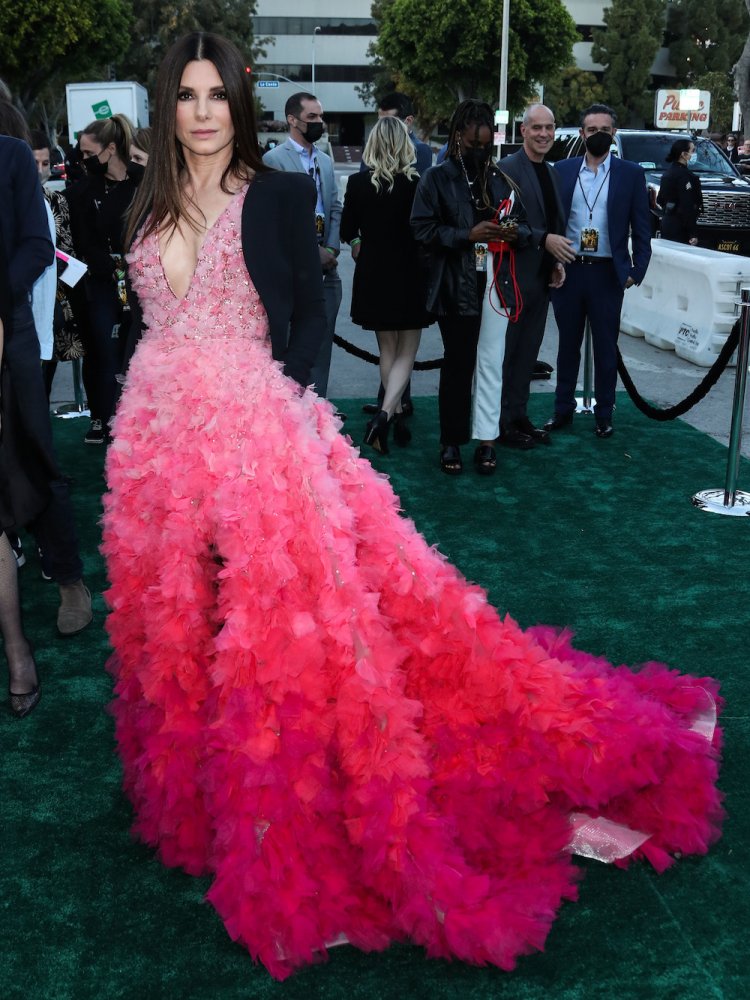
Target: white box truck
x=89 y=101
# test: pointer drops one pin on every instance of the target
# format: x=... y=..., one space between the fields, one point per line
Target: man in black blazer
x=538 y=268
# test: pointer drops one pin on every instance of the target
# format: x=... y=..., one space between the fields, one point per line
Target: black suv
x=725 y=222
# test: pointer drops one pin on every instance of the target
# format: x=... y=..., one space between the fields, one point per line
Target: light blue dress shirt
x=592 y=188
x=309 y=160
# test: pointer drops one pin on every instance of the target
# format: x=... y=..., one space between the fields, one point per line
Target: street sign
x=670 y=113
x=268 y=83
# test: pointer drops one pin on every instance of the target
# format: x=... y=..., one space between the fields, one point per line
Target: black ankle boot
x=376 y=434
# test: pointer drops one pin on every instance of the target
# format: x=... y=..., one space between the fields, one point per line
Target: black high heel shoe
x=401 y=432
x=22 y=705
x=376 y=434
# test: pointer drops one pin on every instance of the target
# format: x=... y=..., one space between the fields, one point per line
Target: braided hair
x=477 y=114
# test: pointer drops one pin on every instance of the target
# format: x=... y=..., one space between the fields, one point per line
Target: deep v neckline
x=206 y=238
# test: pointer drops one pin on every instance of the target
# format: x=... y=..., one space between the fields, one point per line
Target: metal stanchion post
x=586 y=403
x=730 y=500
x=78 y=384
x=77 y=408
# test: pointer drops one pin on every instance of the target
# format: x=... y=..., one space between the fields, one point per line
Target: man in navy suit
x=605 y=203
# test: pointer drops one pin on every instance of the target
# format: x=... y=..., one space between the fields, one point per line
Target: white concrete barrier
x=687 y=303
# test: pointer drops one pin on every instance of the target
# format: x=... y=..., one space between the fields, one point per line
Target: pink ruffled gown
x=314 y=707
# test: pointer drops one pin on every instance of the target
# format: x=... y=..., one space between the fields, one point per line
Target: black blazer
x=24 y=229
x=280 y=248
x=283 y=261
x=534 y=262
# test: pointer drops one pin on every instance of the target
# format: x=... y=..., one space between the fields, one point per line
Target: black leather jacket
x=442 y=218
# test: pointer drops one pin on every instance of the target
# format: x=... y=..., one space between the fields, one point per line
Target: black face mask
x=598 y=144
x=135 y=171
x=477 y=157
x=94 y=166
x=314 y=131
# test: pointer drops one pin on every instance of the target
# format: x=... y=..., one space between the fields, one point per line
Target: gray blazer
x=286 y=157
x=534 y=261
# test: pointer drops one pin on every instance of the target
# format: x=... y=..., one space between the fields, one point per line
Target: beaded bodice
x=221 y=300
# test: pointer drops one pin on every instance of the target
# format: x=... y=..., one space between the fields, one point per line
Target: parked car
x=725 y=222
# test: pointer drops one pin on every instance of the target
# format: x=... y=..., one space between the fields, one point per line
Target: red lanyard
x=500 y=249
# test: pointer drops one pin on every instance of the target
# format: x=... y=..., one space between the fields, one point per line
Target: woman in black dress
x=388 y=293
x=680 y=195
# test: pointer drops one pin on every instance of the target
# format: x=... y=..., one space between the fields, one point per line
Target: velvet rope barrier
x=372 y=359
x=654 y=412
x=700 y=391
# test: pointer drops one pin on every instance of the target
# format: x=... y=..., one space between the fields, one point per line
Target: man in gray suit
x=304 y=115
x=539 y=267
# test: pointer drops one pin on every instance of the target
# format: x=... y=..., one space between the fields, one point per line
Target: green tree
x=719 y=86
x=442 y=51
x=157 y=24
x=742 y=78
x=572 y=91
x=705 y=36
x=626 y=47
x=44 y=43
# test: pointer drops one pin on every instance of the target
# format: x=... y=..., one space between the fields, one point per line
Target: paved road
x=660 y=376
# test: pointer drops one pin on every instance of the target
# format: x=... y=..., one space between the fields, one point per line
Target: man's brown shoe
x=75 y=608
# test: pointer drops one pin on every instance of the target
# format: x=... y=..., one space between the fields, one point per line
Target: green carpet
x=599 y=535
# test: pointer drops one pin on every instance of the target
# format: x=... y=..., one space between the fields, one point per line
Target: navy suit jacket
x=24 y=229
x=627 y=213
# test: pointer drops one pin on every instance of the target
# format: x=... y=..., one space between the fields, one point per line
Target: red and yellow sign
x=667 y=113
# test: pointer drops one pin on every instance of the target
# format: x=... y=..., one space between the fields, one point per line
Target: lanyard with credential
x=583 y=193
x=499 y=249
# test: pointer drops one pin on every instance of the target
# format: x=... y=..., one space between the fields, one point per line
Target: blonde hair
x=117 y=129
x=389 y=151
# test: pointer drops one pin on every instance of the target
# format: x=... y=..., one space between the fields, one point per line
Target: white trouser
x=488 y=373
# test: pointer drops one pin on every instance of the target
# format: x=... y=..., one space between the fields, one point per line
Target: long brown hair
x=160 y=194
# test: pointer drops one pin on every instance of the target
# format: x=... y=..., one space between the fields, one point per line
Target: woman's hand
x=486 y=232
x=509 y=232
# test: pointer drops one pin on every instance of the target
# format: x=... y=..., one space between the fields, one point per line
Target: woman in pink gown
x=313 y=706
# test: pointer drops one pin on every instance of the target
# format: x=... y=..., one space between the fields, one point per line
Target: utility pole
x=501 y=118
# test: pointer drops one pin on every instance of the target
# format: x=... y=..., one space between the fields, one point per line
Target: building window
x=306 y=25
x=586 y=31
